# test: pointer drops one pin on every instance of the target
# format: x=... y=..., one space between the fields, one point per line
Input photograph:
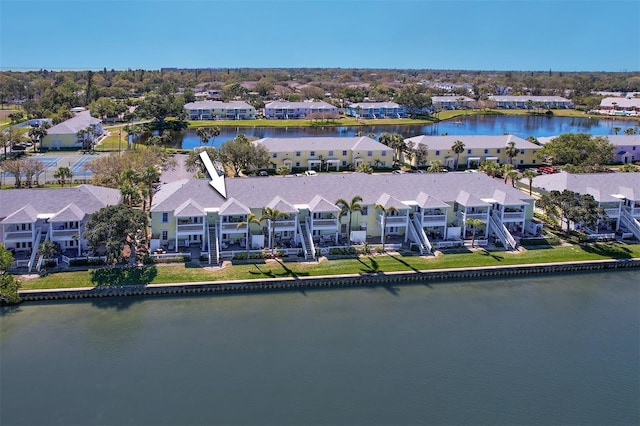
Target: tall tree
x=272 y=216
x=385 y=213
x=149 y=179
x=114 y=227
x=36 y=134
x=588 y=153
x=529 y=175
x=251 y=219
x=240 y=154
x=62 y=174
x=436 y=167
x=511 y=151
x=474 y=224
x=347 y=209
x=9 y=285
x=458 y=148
x=203 y=134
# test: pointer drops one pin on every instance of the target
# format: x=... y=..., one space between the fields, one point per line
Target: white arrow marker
x=217 y=181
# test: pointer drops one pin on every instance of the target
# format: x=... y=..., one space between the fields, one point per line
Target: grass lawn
x=172 y=273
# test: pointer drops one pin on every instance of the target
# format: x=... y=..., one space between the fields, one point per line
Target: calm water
x=561 y=350
x=522 y=126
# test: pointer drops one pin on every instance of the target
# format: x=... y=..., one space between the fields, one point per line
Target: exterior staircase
x=502 y=232
x=630 y=222
x=307 y=241
x=420 y=237
x=213 y=243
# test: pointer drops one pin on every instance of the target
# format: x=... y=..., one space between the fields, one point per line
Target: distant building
x=620 y=106
x=77 y=132
x=532 y=102
x=477 y=149
x=216 y=110
x=627 y=148
x=451 y=102
x=376 y=110
x=290 y=110
x=333 y=152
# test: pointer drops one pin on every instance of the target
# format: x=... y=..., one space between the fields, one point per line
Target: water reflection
x=521 y=126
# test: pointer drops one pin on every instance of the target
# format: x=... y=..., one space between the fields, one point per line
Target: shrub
x=240 y=256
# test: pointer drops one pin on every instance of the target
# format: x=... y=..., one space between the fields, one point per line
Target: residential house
x=425 y=210
x=376 y=110
x=78 y=132
x=291 y=110
x=31 y=216
x=532 y=102
x=451 y=102
x=216 y=110
x=327 y=153
x=626 y=106
x=627 y=148
x=477 y=148
x=617 y=193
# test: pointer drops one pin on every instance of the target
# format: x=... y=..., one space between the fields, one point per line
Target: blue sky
x=562 y=35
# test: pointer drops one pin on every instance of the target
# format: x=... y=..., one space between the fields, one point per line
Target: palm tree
x=513 y=175
x=62 y=174
x=149 y=177
x=385 y=213
x=506 y=168
x=203 y=134
x=436 y=167
x=251 y=219
x=616 y=130
x=474 y=224
x=511 y=151
x=36 y=134
x=364 y=168
x=458 y=148
x=347 y=209
x=529 y=174
x=214 y=132
x=629 y=131
x=272 y=216
x=491 y=168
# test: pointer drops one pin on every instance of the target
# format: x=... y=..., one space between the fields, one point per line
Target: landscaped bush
x=86 y=262
x=337 y=251
x=240 y=256
x=547 y=241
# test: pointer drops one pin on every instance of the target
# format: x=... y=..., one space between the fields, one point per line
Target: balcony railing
x=477 y=215
x=232 y=227
x=434 y=218
x=18 y=235
x=393 y=220
x=191 y=228
x=324 y=223
x=282 y=224
x=513 y=216
x=612 y=212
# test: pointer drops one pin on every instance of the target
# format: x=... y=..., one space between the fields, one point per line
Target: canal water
x=521 y=126
x=536 y=351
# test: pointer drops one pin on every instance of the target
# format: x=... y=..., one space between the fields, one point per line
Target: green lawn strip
x=173 y=273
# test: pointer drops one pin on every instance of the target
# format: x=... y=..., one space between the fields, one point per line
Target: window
x=165 y=217
x=364 y=211
x=534 y=161
x=297 y=164
x=274 y=155
x=330 y=154
x=344 y=152
x=498 y=151
x=297 y=153
x=165 y=235
x=312 y=153
x=384 y=163
x=437 y=152
x=522 y=151
x=344 y=162
x=486 y=151
x=468 y=151
x=521 y=161
x=369 y=153
x=384 y=153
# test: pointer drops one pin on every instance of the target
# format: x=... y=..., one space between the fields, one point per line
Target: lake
x=519 y=125
x=542 y=350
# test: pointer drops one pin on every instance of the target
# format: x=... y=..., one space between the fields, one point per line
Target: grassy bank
x=173 y=273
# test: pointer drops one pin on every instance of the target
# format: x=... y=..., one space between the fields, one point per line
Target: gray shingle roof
x=74 y=124
x=258 y=192
x=362 y=143
x=189 y=208
x=603 y=186
x=233 y=207
x=368 y=105
x=69 y=213
x=300 y=105
x=387 y=201
x=320 y=204
x=49 y=201
x=217 y=105
x=26 y=214
x=472 y=141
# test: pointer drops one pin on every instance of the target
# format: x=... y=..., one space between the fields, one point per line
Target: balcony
x=612 y=213
x=513 y=216
x=285 y=225
x=18 y=236
x=434 y=219
x=191 y=228
x=393 y=220
x=481 y=216
x=228 y=227
x=327 y=223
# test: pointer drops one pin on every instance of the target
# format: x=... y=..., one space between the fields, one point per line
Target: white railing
x=21 y=263
x=612 y=213
x=629 y=222
x=39 y=263
x=307 y=238
x=503 y=233
x=513 y=216
x=476 y=243
x=325 y=223
x=482 y=216
x=422 y=235
x=605 y=236
x=448 y=244
x=393 y=220
x=434 y=218
x=170 y=255
x=189 y=228
x=65 y=259
x=413 y=234
x=209 y=244
x=233 y=227
x=283 y=224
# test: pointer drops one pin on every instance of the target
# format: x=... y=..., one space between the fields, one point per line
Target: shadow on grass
x=494 y=256
x=398 y=259
x=373 y=268
x=270 y=274
x=116 y=276
x=612 y=250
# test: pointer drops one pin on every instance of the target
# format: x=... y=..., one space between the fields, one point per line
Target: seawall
x=301 y=283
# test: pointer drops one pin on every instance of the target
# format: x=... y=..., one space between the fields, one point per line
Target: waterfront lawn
x=172 y=273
